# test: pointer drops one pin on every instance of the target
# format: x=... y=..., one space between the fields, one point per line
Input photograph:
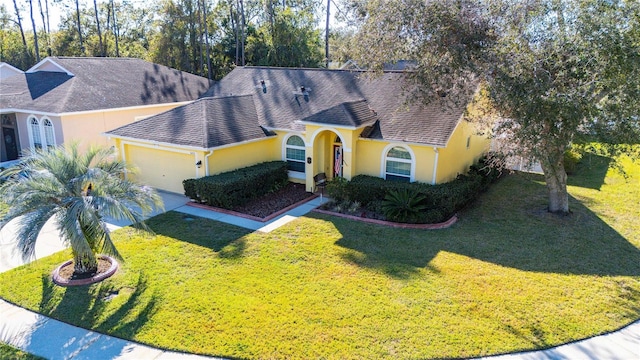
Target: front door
x=10 y=143
x=337 y=161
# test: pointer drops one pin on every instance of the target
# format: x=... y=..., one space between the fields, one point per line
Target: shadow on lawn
x=226 y=240
x=590 y=172
x=85 y=306
x=509 y=230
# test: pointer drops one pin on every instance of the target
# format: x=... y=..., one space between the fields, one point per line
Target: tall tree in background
x=79 y=26
x=44 y=14
x=35 y=32
x=101 y=47
x=19 y=23
x=550 y=69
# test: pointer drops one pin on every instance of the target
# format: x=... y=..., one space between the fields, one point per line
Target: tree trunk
x=79 y=27
x=115 y=28
x=35 y=32
x=206 y=39
x=95 y=9
x=24 y=39
x=244 y=26
x=84 y=265
x=326 y=37
x=556 y=179
x=45 y=24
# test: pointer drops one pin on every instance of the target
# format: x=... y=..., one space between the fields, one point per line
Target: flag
x=338 y=164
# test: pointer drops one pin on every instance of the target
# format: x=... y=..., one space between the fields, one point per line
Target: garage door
x=161 y=169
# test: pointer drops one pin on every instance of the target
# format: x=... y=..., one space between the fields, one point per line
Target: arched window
x=48 y=133
x=295 y=154
x=398 y=164
x=36 y=138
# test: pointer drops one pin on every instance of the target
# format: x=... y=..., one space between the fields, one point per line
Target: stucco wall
x=456 y=158
x=242 y=155
x=87 y=127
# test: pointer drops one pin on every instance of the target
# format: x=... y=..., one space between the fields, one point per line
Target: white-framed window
x=41 y=133
x=49 y=135
x=35 y=134
x=398 y=164
x=295 y=154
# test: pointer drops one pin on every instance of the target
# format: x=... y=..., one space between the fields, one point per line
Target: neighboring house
x=341 y=123
x=64 y=99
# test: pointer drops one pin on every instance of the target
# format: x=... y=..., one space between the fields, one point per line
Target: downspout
x=206 y=163
x=435 y=166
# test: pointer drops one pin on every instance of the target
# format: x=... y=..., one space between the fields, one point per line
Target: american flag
x=338 y=164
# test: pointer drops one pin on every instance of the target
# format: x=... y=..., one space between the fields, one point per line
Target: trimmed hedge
x=440 y=201
x=237 y=187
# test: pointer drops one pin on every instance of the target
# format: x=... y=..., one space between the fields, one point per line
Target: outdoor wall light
x=199 y=164
x=309 y=160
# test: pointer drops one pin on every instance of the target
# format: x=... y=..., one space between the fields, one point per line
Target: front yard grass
x=507 y=277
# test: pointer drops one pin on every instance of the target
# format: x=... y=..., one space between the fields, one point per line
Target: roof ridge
x=361 y=71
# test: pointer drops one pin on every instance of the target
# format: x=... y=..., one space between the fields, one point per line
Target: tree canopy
x=549 y=70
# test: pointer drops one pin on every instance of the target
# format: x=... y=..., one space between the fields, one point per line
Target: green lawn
x=508 y=276
x=10 y=353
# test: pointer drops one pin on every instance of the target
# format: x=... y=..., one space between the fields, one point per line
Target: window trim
x=295 y=174
x=385 y=157
x=34 y=124
x=49 y=131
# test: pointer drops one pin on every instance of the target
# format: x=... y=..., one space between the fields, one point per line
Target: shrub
x=403 y=205
x=436 y=202
x=239 y=186
x=337 y=189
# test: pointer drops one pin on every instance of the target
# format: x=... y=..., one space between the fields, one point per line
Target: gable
x=7 y=71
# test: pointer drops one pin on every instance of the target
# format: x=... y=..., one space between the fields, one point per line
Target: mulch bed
x=273 y=202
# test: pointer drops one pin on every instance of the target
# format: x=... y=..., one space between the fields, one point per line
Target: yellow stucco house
x=63 y=99
x=337 y=122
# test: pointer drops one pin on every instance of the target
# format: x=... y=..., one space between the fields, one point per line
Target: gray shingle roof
x=206 y=123
x=340 y=95
x=99 y=83
x=286 y=98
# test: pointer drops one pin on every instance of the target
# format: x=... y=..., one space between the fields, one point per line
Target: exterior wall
x=24 y=128
x=164 y=167
x=88 y=127
x=372 y=155
x=243 y=155
x=456 y=158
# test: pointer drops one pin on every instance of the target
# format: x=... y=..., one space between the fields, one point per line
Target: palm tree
x=76 y=190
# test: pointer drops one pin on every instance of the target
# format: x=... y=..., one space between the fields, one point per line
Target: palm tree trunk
x=85 y=264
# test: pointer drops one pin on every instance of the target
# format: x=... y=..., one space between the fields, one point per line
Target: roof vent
x=302 y=89
x=264 y=86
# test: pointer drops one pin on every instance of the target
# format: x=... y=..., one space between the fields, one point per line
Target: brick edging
x=251 y=217
x=78 y=282
x=442 y=225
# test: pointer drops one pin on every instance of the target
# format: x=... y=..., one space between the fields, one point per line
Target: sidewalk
x=52 y=339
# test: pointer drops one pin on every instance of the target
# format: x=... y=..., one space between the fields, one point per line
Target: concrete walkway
x=52 y=339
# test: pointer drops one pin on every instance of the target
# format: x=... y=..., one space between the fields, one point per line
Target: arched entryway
x=328 y=154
